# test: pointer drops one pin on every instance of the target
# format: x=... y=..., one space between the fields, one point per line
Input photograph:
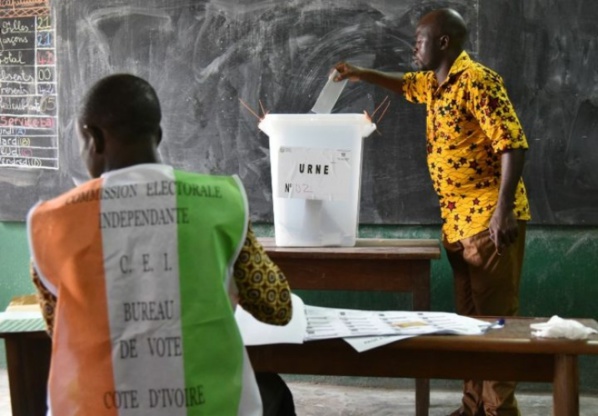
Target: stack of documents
x=23 y=314
x=361 y=329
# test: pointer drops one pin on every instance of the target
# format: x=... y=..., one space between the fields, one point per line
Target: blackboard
x=28 y=97
x=204 y=56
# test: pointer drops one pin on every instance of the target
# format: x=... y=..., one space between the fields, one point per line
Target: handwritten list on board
x=28 y=98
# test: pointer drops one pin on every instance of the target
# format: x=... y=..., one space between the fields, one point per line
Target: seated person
x=139 y=271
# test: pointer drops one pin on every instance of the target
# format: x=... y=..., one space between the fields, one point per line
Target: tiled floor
x=313 y=399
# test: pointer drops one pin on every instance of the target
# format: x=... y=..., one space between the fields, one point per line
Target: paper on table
x=23 y=314
x=463 y=325
x=16 y=321
x=15 y=315
x=361 y=344
x=24 y=303
x=22 y=325
x=255 y=332
x=363 y=330
x=329 y=95
x=325 y=323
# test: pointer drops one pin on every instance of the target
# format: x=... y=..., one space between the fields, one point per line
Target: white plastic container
x=316 y=176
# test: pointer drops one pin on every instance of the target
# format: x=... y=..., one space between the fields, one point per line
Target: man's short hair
x=123 y=104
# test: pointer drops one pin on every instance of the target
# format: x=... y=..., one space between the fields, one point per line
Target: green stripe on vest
x=212 y=345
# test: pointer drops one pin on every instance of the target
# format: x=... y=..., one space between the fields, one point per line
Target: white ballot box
x=316 y=176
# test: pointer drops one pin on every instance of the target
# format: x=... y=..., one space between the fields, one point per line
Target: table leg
x=565 y=387
x=421 y=286
x=421 y=302
x=28 y=363
x=422 y=396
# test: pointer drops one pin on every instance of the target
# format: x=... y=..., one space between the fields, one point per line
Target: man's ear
x=159 y=136
x=444 y=41
x=97 y=138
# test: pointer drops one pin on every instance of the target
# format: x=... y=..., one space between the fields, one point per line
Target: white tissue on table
x=557 y=327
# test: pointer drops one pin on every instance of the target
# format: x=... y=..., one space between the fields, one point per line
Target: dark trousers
x=277 y=399
x=487 y=283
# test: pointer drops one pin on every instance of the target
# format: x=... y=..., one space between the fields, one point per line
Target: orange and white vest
x=140 y=261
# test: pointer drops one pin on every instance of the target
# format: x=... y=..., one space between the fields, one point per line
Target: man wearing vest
x=142 y=264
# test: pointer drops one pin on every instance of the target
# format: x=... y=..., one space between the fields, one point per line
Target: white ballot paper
x=361 y=344
x=363 y=330
x=325 y=323
x=255 y=332
x=329 y=95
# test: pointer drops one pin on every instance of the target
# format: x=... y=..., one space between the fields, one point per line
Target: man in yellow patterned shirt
x=476 y=148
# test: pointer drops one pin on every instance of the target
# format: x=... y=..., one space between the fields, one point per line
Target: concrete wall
x=559 y=276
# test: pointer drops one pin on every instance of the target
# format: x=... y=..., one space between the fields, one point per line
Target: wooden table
x=503 y=354
x=372 y=265
x=385 y=265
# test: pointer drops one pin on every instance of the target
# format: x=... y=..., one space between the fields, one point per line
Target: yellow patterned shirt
x=263 y=289
x=470 y=122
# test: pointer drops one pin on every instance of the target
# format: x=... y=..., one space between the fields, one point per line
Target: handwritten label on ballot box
x=314 y=173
